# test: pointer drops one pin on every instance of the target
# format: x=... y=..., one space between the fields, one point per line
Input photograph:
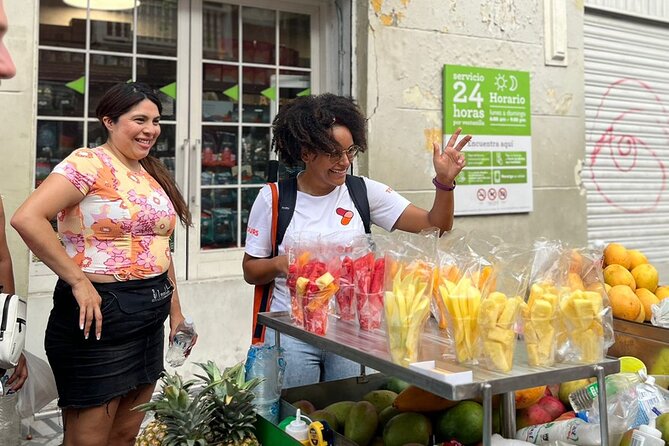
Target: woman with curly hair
x=326 y=132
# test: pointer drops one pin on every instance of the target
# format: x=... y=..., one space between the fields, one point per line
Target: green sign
x=492 y=105
x=486 y=101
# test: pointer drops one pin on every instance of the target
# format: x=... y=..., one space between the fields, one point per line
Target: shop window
x=254 y=60
x=254 y=56
x=75 y=68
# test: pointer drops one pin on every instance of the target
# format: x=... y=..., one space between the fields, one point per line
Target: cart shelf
x=370 y=349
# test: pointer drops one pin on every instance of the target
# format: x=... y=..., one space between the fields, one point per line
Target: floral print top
x=123 y=224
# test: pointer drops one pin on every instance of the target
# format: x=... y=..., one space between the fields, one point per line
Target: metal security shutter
x=625 y=170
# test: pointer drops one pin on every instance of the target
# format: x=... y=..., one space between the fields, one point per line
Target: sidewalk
x=47 y=430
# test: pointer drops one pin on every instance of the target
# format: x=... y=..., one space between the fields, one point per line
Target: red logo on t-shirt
x=346 y=215
x=252 y=231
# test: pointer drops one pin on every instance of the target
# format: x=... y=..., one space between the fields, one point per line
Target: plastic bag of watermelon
x=354 y=250
x=345 y=297
x=369 y=292
x=313 y=279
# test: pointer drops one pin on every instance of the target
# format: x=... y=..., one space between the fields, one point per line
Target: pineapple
x=180 y=418
x=231 y=397
x=220 y=413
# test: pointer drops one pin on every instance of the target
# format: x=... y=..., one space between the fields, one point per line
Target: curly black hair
x=306 y=123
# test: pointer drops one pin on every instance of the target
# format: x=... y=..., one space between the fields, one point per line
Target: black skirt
x=129 y=354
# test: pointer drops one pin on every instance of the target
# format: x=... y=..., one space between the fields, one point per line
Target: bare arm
x=176 y=315
x=32 y=222
x=6 y=271
x=447 y=165
x=259 y=271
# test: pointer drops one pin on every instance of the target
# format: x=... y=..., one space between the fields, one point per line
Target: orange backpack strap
x=262 y=296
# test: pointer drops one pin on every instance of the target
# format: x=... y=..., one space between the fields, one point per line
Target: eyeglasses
x=351 y=153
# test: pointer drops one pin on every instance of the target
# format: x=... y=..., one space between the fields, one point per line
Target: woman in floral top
x=117 y=206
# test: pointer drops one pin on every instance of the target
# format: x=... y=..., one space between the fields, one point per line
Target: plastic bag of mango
x=586 y=330
x=540 y=312
x=406 y=306
x=409 y=262
x=500 y=310
x=460 y=300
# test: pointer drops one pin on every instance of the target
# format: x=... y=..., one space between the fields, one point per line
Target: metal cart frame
x=369 y=348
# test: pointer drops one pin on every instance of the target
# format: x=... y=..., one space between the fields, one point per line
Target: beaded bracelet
x=442 y=186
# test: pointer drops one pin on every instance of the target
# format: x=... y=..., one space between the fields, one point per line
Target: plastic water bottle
x=584 y=398
x=268 y=409
x=176 y=354
x=266 y=362
x=651 y=401
x=573 y=431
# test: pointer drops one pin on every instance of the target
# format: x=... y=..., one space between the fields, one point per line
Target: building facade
x=224 y=68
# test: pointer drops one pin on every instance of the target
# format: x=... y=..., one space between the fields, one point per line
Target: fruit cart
x=370 y=349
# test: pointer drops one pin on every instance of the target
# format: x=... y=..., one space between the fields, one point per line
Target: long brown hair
x=117 y=101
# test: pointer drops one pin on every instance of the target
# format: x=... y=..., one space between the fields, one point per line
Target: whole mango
x=380 y=398
x=408 y=427
x=340 y=410
x=361 y=423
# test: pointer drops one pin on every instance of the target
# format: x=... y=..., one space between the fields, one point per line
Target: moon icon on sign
x=514 y=83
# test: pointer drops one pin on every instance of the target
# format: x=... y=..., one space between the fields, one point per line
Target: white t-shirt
x=325 y=214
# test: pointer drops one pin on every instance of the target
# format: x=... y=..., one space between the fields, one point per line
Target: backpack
x=12 y=329
x=283 y=207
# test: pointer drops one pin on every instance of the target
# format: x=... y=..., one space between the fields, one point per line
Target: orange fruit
x=625 y=304
x=662 y=292
x=616 y=254
x=618 y=275
x=636 y=258
x=647 y=299
x=645 y=276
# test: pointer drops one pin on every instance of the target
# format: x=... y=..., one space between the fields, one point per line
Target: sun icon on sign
x=500 y=82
